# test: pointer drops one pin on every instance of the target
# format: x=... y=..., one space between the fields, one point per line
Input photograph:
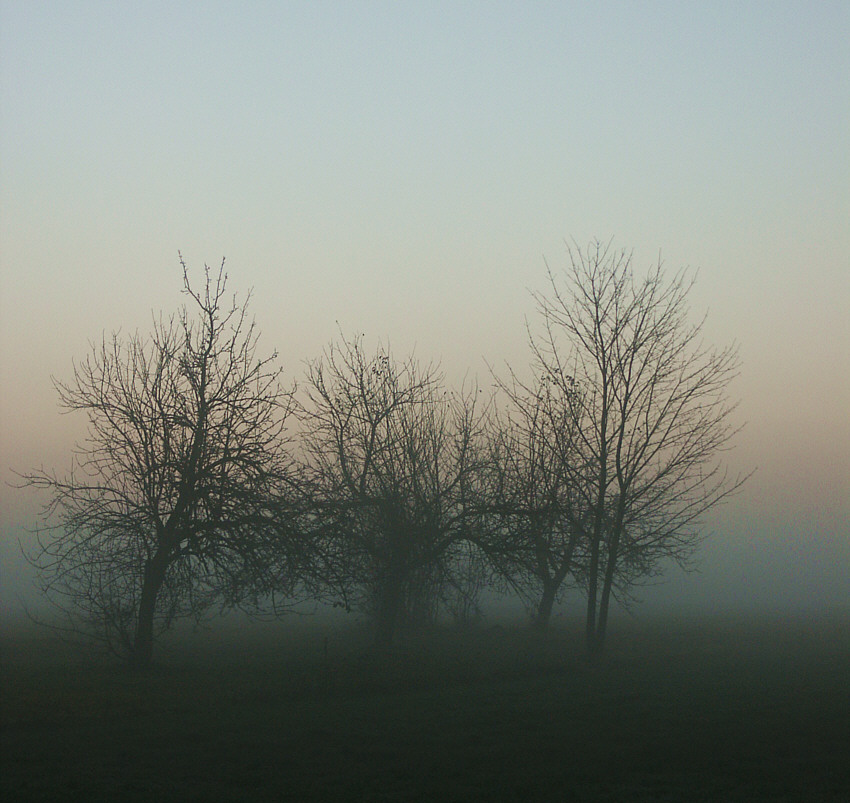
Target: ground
x=709 y=710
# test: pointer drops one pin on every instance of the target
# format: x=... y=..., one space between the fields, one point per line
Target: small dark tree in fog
x=470 y=573
x=645 y=416
x=174 y=500
x=389 y=455
x=531 y=537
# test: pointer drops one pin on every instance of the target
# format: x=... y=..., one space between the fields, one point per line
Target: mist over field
x=744 y=567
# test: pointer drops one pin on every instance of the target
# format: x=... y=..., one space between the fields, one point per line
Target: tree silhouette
x=175 y=499
x=389 y=456
x=529 y=505
x=644 y=415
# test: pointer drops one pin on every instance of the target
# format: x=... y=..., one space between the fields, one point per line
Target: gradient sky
x=404 y=169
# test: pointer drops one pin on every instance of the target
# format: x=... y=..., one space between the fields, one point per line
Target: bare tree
x=389 y=455
x=645 y=415
x=174 y=500
x=530 y=537
x=470 y=574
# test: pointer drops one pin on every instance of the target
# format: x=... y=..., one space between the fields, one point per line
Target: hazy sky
x=405 y=168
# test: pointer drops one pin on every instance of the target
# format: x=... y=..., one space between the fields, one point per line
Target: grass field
x=701 y=711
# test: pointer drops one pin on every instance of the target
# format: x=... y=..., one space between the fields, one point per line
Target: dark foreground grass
x=706 y=711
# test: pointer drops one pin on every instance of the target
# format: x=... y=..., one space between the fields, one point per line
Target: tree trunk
x=602 y=623
x=607 y=584
x=389 y=605
x=544 y=609
x=151 y=583
x=593 y=569
x=592 y=582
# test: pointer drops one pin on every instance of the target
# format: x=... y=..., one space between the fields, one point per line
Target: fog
x=753 y=562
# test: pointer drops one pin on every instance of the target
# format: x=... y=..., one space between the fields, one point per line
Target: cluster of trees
x=206 y=481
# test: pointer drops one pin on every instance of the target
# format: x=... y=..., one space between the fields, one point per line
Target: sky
x=407 y=170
